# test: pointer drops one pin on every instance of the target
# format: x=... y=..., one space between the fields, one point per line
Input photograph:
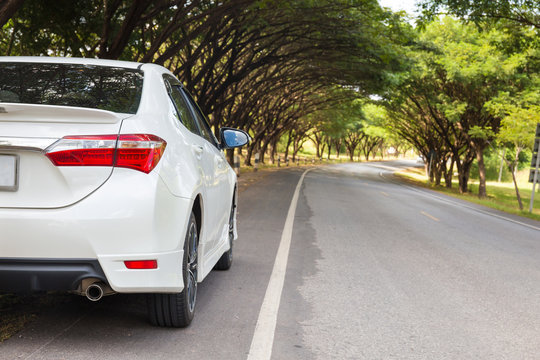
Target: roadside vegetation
x=260 y=65
x=501 y=196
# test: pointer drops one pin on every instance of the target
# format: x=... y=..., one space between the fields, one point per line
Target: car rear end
x=81 y=202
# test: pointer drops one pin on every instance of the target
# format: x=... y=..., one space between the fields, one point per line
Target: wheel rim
x=192 y=267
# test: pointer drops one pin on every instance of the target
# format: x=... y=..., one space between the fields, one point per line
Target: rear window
x=98 y=87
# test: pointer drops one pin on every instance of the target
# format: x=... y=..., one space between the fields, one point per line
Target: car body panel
x=55 y=186
x=115 y=214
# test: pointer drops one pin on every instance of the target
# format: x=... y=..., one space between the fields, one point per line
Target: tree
x=261 y=65
x=375 y=129
x=518 y=124
x=458 y=71
x=525 y=12
x=7 y=9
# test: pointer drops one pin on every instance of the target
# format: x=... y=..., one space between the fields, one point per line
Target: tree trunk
x=287 y=147
x=230 y=156
x=438 y=174
x=262 y=152
x=518 y=196
x=295 y=152
x=296 y=148
x=317 y=148
x=513 y=169
x=350 y=150
x=249 y=153
x=448 y=173
x=482 y=191
x=464 y=168
x=273 y=148
x=329 y=149
x=463 y=177
x=7 y=9
x=338 y=148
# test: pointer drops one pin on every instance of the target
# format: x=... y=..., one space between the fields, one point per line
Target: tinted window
x=106 y=88
x=183 y=110
x=206 y=132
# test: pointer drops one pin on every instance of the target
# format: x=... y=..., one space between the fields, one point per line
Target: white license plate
x=9 y=172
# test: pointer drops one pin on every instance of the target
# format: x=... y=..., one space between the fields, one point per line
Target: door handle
x=198 y=149
x=220 y=162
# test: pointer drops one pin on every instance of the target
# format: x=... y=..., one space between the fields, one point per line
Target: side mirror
x=233 y=138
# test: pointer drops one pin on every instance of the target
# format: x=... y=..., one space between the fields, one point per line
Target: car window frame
x=172 y=84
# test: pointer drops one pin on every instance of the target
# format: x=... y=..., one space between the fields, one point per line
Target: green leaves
x=481 y=132
x=462 y=87
x=482 y=12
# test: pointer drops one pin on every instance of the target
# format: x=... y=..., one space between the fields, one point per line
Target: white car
x=111 y=181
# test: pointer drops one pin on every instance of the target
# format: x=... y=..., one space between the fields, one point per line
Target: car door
x=219 y=191
x=203 y=163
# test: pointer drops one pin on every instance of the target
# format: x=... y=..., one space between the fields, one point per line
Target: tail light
x=141 y=152
x=141 y=264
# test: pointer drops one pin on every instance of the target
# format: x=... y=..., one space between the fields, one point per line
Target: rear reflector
x=141 y=264
x=141 y=152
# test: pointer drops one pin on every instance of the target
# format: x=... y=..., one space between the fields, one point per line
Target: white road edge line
x=263 y=337
x=457 y=204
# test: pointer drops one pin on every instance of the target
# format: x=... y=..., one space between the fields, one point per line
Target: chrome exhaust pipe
x=94 y=292
x=94 y=289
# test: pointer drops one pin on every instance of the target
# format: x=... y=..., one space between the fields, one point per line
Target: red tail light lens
x=141 y=264
x=141 y=152
x=83 y=151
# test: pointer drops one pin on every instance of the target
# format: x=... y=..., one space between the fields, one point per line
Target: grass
x=501 y=196
x=13 y=315
x=18 y=310
x=304 y=160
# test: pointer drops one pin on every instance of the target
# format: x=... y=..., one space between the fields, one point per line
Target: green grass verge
x=501 y=196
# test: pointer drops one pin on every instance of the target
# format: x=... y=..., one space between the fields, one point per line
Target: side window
x=206 y=132
x=183 y=110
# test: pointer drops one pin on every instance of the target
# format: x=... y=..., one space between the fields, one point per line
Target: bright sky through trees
x=396 y=5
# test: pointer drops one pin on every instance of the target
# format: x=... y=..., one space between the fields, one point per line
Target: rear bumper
x=167 y=278
x=21 y=275
x=131 y=217
x=31 y=275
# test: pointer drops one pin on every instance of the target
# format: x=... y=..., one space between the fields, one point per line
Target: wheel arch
x=234 y=204
x=235 y=195
x=198 y=212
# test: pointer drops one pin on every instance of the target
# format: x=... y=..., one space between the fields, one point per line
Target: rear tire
x=177 y=310
x=225 y=261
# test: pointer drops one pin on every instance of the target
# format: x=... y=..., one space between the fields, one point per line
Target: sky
x=396 y=5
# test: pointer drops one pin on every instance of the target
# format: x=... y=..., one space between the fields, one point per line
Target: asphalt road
x=375 y=269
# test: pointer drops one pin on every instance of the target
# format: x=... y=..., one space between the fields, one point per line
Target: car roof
x=71 y=60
